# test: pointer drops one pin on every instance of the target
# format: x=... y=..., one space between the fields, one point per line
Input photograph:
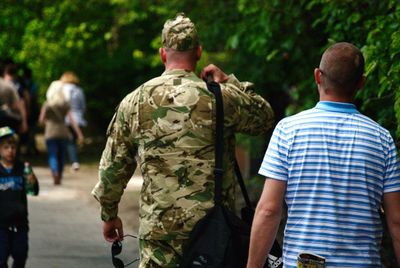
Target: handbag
x=221 y=238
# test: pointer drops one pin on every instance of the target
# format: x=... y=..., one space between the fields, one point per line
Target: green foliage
x=105 y=42
x=113 y=46
x=277 y=44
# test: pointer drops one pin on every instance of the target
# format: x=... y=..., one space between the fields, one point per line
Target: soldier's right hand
x=216 y=73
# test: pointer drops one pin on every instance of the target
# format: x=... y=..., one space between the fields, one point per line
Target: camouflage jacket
x=169 y=123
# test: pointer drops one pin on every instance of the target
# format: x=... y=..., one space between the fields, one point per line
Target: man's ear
x=361 y=82
x=317 y=76
x=163 y=54
x=199 y=52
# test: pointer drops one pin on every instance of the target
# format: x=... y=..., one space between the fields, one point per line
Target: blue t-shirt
x=337 y=164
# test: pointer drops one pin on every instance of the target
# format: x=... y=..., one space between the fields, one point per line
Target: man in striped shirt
x=334 y=167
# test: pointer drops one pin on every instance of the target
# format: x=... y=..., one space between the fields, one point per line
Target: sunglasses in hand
x=116 y=249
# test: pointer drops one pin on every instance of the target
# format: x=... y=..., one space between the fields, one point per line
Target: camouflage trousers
x=160 y=253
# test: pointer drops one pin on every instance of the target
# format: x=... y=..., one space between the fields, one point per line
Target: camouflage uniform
x=169 y=122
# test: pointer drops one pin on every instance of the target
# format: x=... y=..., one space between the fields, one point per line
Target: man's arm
x=20 y=107
x=75 y=127
x=117 y=166
x=247 y=111
x=391 y=205
x=42 y=115
x=266 y=222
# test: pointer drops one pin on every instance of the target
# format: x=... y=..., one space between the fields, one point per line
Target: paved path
x=65 y=225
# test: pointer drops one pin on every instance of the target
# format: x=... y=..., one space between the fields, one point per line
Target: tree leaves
x=113 y=44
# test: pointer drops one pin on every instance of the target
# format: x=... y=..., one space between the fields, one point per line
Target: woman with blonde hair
x=52 y=115
x=70 y=77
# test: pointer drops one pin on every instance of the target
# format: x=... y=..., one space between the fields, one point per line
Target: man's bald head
x=342 y=67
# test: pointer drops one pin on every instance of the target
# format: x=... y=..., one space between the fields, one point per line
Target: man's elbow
x=391 y=206
x=393 y=222
x=268 y=211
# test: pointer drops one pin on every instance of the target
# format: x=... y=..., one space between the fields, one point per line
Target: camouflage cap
x=179 y=33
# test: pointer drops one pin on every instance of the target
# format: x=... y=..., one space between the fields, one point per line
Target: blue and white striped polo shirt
x=337 y=164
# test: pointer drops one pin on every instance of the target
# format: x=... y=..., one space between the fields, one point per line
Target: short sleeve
x=275 y=163
x=391 y=182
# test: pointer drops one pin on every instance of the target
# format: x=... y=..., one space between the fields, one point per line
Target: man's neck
x=336 y=99
x=180 y=65
x=330 y=95
x=169 y=68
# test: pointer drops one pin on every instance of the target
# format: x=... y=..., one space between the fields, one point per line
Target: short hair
x=342 y=67
x=187 y=54
x=11 y=69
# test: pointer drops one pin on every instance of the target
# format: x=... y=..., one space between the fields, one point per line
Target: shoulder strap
x=215 y=88
x=219 y=140
x=241 y=184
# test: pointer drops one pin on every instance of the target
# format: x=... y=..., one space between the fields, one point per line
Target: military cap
x=180 y=33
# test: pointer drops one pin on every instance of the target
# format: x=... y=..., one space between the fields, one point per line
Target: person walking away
x=11 y=76
x=169 y=122
x=16 y=181
x=12 y=112
x=75 y=96
x=52 y=115
x=32 y=111
x=335 y=168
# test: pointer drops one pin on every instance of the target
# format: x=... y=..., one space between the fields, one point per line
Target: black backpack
x=221 y=239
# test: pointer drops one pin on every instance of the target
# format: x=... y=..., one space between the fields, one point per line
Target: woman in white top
x=57 y=136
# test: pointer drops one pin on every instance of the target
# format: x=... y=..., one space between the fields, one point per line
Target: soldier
x=169 y=122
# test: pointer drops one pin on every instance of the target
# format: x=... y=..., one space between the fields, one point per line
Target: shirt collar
x=340 y=107
x=178 y=72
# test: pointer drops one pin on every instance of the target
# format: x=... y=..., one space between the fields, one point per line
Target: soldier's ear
x=163 y=54
x=199 y=52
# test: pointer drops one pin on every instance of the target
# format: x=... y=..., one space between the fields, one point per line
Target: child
x=16 y=180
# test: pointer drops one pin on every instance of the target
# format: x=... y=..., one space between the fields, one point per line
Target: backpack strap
x=215 y=88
